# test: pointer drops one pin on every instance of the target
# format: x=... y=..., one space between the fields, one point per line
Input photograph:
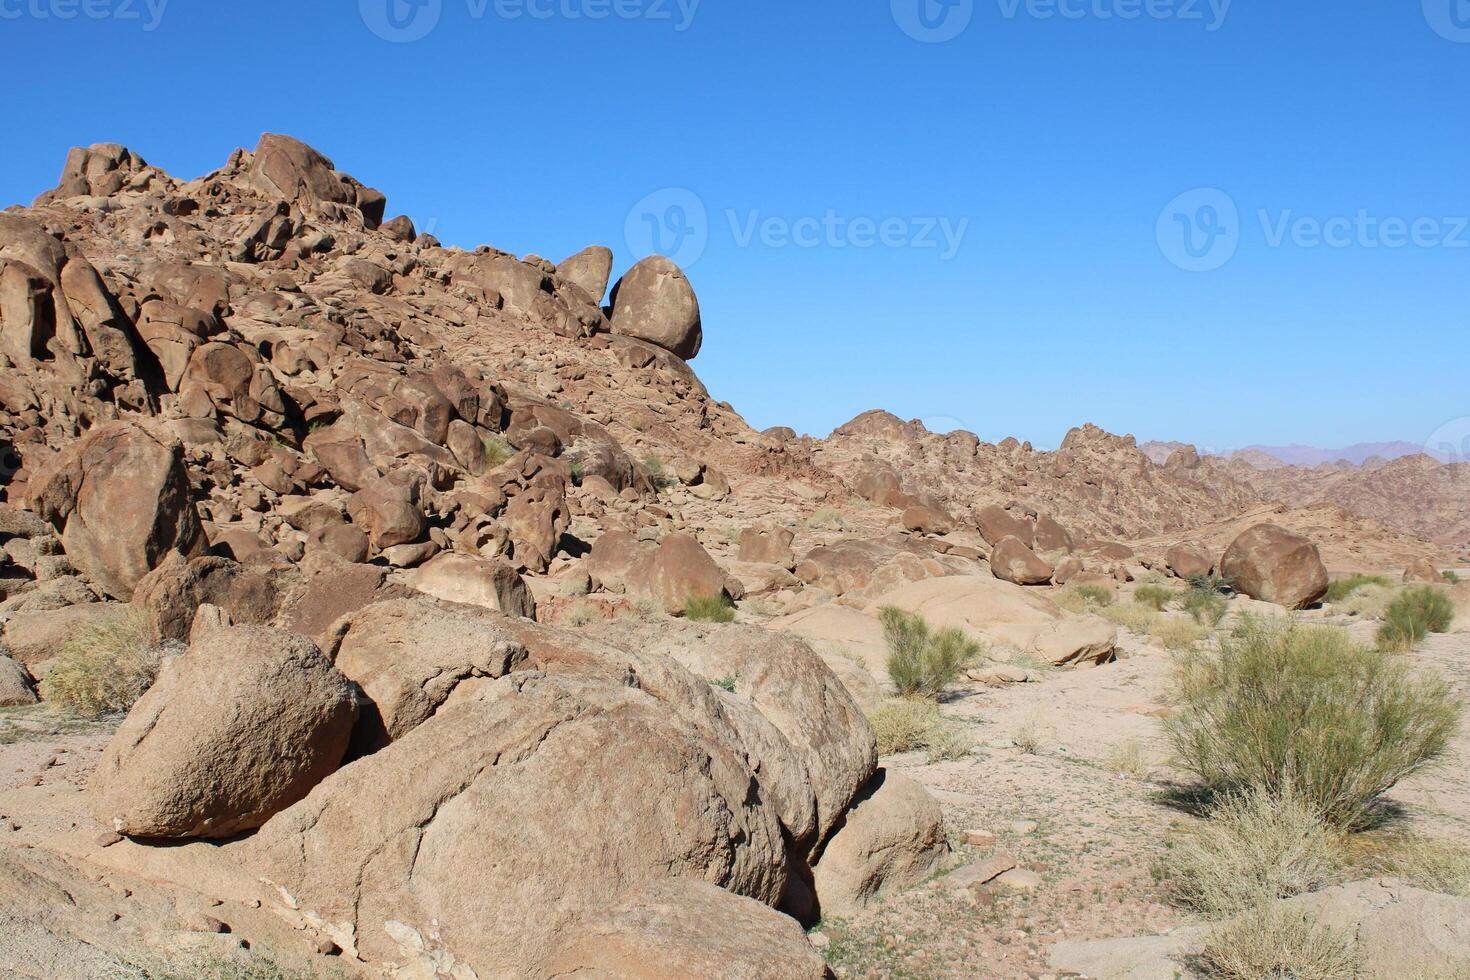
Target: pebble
x=108 y=839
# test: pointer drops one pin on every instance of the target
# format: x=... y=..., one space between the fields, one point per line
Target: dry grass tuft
x=1131 y=616
x=911 y=724
x=104 y=669
x=1177 y=633
x=1274 y=943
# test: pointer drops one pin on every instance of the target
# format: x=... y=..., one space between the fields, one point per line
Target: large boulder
x=654 y=302
x=675 y=928
x=1272 y=564
x=769 y=543
x=474 y=582
x=1187 y=559
x=120 y=499
x=893 y=838
x=589 y=270
x=1012 y=561
x=492 y=828
x=996 y=524
x=17 y=687
x=251 y=595
x=237 y=729
x=678 y=570
x=390 y=510
x=410 y=657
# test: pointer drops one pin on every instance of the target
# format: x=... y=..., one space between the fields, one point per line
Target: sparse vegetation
x=645 y=610
x=497 y=452
x=1254 y=848
x=709 y=609
x=1370 y=601
x=1128 y=759
x=104 y=668
x=1274 y=943
x=580 y=614
x=1130 y=615
x=1032 y=733
x=922 y=661
x=1212 y=583
x=1206 y=608
x=1452 y=577
x=1411 y=617
x=1303 y=710
x=1341 y=588
x=1429 y=863
x=1176 y=632
x=1083 y=598
x=1156 y=597
x=726 y=684
x=653 y=468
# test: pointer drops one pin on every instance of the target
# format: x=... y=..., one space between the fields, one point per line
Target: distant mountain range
x=1264 y=457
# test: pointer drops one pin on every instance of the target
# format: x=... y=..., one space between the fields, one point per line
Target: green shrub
x=1254 y=848
x=1341 y=588
x=1416 y=613
x=1210 y=582
x=104 y=668
x=708 y=609
x=1452 y=577
x=1156 y=597
x=1301 y=709
x=1277 y=943
x=922 y=661
x=1206 y=608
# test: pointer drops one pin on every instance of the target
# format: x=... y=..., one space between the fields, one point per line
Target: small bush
x=645 y=610
x=1210 y=582
x=1130 y=615
x=904 y=724
x=1416 y=613
x=653 y=468
x=580 y=614
x=1156 y=597
x=1128 y=759
x=708 y=609
x=1274 y=943
x=949 y=742
x=1452 y=577
x=1341 y=588
x=497 y=452
x=921 y=661
x=1253 y=849
x=1083 y=598
x=1176 y=633
x=726 y=684
x=1304 y=710
x=103 y=669
x=1033 y=732
x=1370 y=601
x=827 y=519
x=1206 y=608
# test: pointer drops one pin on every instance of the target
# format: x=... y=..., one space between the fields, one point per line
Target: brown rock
x=120 y=499
x=589 y=270
x=927 y=520
x=893 y=838
x=237 y=729
x=474 y=582
x=768 y=543
x=996 y=525
x=654 y=302
x=1188 y=559
x=683 y=928
x=1272 y=564
x=678 y=570
x=1012 y=561
x=1423 y=570
x=17 y=687
x=389 y=509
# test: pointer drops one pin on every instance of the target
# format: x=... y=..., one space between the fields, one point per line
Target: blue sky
x=820 y=150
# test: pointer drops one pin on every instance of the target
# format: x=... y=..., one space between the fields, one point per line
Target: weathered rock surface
x=893 y=838
x=17 y=687
x=1272 y=564
x=237 y=729
x=1012 y=561
x=654 y=302
x=678 y=570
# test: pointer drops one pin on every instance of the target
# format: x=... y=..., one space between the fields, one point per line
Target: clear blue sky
x=1059 y=140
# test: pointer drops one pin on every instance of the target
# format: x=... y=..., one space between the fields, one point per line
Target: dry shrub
x=1083 y=598
x=104 y=668
x=1253 y=849
x=1275 y=943
x=1130 y=615
x=1426 y=862
x=1156 y=597
x=1176 y=633
x=911 y=724
x=1304 y=710
x=1370 y=601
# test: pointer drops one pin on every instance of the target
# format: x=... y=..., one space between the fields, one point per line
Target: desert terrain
x=373 y=608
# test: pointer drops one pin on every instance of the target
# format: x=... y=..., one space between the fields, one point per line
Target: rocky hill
x=447 y=560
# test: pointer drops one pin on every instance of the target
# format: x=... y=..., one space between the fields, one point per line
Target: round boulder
x=654 y=302
x=239 y=728
x=1272 y=564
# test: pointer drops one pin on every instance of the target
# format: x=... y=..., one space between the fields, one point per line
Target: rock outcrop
x=1272 y=564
